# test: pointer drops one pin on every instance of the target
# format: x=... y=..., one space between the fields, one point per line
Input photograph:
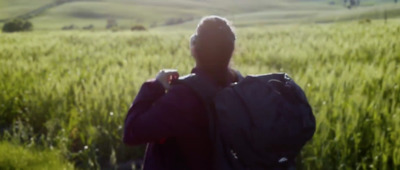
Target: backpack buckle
x=283 y=160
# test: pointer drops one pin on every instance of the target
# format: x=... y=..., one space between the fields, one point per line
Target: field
x=174 y=14
x=67 y=93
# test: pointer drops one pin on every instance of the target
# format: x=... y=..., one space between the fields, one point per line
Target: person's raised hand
x=165 y=77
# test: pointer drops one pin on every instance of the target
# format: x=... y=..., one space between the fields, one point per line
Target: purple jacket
x=174 y=124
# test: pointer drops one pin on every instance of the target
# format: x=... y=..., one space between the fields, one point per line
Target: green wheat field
x=67 y=93
x=64 y=94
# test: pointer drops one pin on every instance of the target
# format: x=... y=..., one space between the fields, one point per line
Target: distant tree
x=68 y=27
x=174 y=21
x=89 y=27
x=111 y=23
x=352 y=2
x=385 y=16
x=138 y=28
x=395 y=1
x=16 y=25
x=365 y=21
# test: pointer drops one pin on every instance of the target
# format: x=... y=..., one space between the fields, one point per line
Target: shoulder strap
x=238 y=75
x=204 y=89
x=207 y=91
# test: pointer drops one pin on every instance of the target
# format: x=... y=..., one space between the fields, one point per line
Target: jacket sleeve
x=156 y=115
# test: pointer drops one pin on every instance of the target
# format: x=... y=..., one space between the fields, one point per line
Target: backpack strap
x=203 y=88
x=206 y=91
x=238 y=75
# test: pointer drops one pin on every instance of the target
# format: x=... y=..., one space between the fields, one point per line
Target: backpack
x=261 y=122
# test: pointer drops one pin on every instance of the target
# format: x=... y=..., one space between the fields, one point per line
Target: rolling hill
x=12 y=8
x=185 y=13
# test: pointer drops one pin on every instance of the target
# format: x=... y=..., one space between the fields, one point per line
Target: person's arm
x=155 y=115
x=148 y=94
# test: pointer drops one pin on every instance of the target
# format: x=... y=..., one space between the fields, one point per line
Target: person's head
x=213 y=43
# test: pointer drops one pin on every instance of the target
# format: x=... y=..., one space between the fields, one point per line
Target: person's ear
x=193 y=51
x=193 y=45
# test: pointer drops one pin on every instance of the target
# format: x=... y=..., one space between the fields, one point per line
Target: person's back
x=175 y=124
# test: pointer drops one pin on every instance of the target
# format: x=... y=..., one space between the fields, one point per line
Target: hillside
x=12 y=8
x=185 y=13
x=155 y=13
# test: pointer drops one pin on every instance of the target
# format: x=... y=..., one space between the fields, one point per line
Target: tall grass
x=13 y=156
x=71 y=90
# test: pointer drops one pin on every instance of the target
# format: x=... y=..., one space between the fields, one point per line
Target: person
x=172 y=119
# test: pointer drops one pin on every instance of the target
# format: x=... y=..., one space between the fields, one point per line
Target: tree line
x=352 y=3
